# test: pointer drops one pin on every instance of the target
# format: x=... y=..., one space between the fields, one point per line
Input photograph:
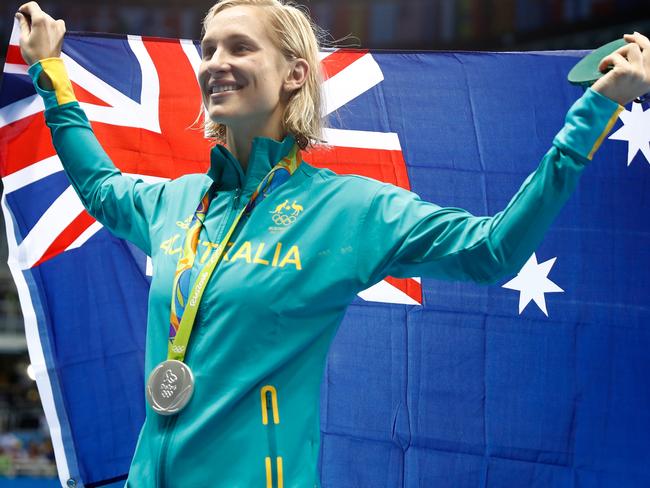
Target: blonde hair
x=296 y=36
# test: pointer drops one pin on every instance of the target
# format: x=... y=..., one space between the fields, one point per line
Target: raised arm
x=124 y=205
x=404 y=236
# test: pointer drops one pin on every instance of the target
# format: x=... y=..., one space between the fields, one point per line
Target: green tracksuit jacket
x=274 y=303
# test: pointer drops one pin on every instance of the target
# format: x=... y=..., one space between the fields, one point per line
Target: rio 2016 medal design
x=170 y=387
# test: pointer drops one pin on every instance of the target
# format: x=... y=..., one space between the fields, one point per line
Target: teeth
x=224 y=88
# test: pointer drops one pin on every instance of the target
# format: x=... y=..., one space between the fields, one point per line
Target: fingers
x=613 y=60
x=40 y=35
x=633 y=54
x=33 y=14
x=30 y=14
x=630 y=76
x=643 y=42
x=31 y=10
x=630 y=53
x=24 y=25
x=639 y=38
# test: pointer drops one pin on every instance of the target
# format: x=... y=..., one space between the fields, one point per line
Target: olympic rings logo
x=178 y=349
x=282 y=219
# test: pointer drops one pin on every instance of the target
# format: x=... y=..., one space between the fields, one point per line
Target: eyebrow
x=232 y=38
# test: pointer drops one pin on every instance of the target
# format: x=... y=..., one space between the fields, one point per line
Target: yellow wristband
x=55 y=70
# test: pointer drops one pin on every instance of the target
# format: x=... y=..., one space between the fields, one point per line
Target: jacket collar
x=265 y=153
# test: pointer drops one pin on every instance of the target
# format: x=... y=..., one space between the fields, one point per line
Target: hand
x=40 y=35
x=630 y=76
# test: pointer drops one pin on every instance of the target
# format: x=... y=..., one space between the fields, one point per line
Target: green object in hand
x=586 y=72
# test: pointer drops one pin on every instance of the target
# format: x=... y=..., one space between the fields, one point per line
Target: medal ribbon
x=184 y=305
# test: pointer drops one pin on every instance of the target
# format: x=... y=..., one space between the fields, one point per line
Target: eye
x=241 y=48
x=207 y=52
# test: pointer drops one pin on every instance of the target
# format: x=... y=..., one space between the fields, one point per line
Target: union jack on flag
x=539 y=381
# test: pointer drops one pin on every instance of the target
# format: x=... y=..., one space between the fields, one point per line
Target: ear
x=297 y=76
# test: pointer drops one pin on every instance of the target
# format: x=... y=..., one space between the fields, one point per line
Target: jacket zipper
x=167 y=430
x=170 y=422
x=273 y=463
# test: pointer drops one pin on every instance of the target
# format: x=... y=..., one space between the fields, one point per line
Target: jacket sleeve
x=126 y=206
x=403 y=236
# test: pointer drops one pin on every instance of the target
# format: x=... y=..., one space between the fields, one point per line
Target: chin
x=218 y=116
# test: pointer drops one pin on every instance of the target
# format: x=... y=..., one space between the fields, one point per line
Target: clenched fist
x=630 y=76
x=40 y=36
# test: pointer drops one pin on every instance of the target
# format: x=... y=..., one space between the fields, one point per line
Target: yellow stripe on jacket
x=55 y=70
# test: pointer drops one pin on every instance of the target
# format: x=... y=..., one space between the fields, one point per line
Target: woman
x=237 y=405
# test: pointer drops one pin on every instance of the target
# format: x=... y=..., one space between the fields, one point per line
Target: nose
x=219 y=61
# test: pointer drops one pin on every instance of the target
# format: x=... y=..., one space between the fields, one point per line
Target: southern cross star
x=636 y=131
x=532 y=283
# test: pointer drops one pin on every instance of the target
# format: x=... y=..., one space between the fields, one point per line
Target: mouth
x=220 y=89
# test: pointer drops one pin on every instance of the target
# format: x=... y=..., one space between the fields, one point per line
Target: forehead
x=243 y=20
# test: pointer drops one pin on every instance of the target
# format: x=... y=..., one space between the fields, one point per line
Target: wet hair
x=296 y=36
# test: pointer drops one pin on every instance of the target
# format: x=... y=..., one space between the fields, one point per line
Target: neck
x=240 y=140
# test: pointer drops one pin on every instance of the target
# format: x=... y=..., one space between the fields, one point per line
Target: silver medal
x=170 y=387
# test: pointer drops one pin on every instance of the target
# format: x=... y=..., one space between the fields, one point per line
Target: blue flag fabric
x=539 y=381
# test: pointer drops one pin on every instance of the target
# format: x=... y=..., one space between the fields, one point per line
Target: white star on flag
x=636 y=131
x=532 y=282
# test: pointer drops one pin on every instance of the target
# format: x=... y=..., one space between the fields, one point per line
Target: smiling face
x=245 y=80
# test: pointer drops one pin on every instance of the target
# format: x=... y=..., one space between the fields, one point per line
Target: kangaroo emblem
x=279 y=208
x=285 y=214
x=297 y=208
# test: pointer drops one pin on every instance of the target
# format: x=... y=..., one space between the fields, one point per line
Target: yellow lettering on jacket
x=169 y=243
x=244 y=252
x=276 y=255
x=228 y=247
x=209 y=246
x=293 y=256
x=257 y=258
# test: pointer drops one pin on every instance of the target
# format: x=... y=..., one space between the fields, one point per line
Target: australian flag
x=538 y=381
